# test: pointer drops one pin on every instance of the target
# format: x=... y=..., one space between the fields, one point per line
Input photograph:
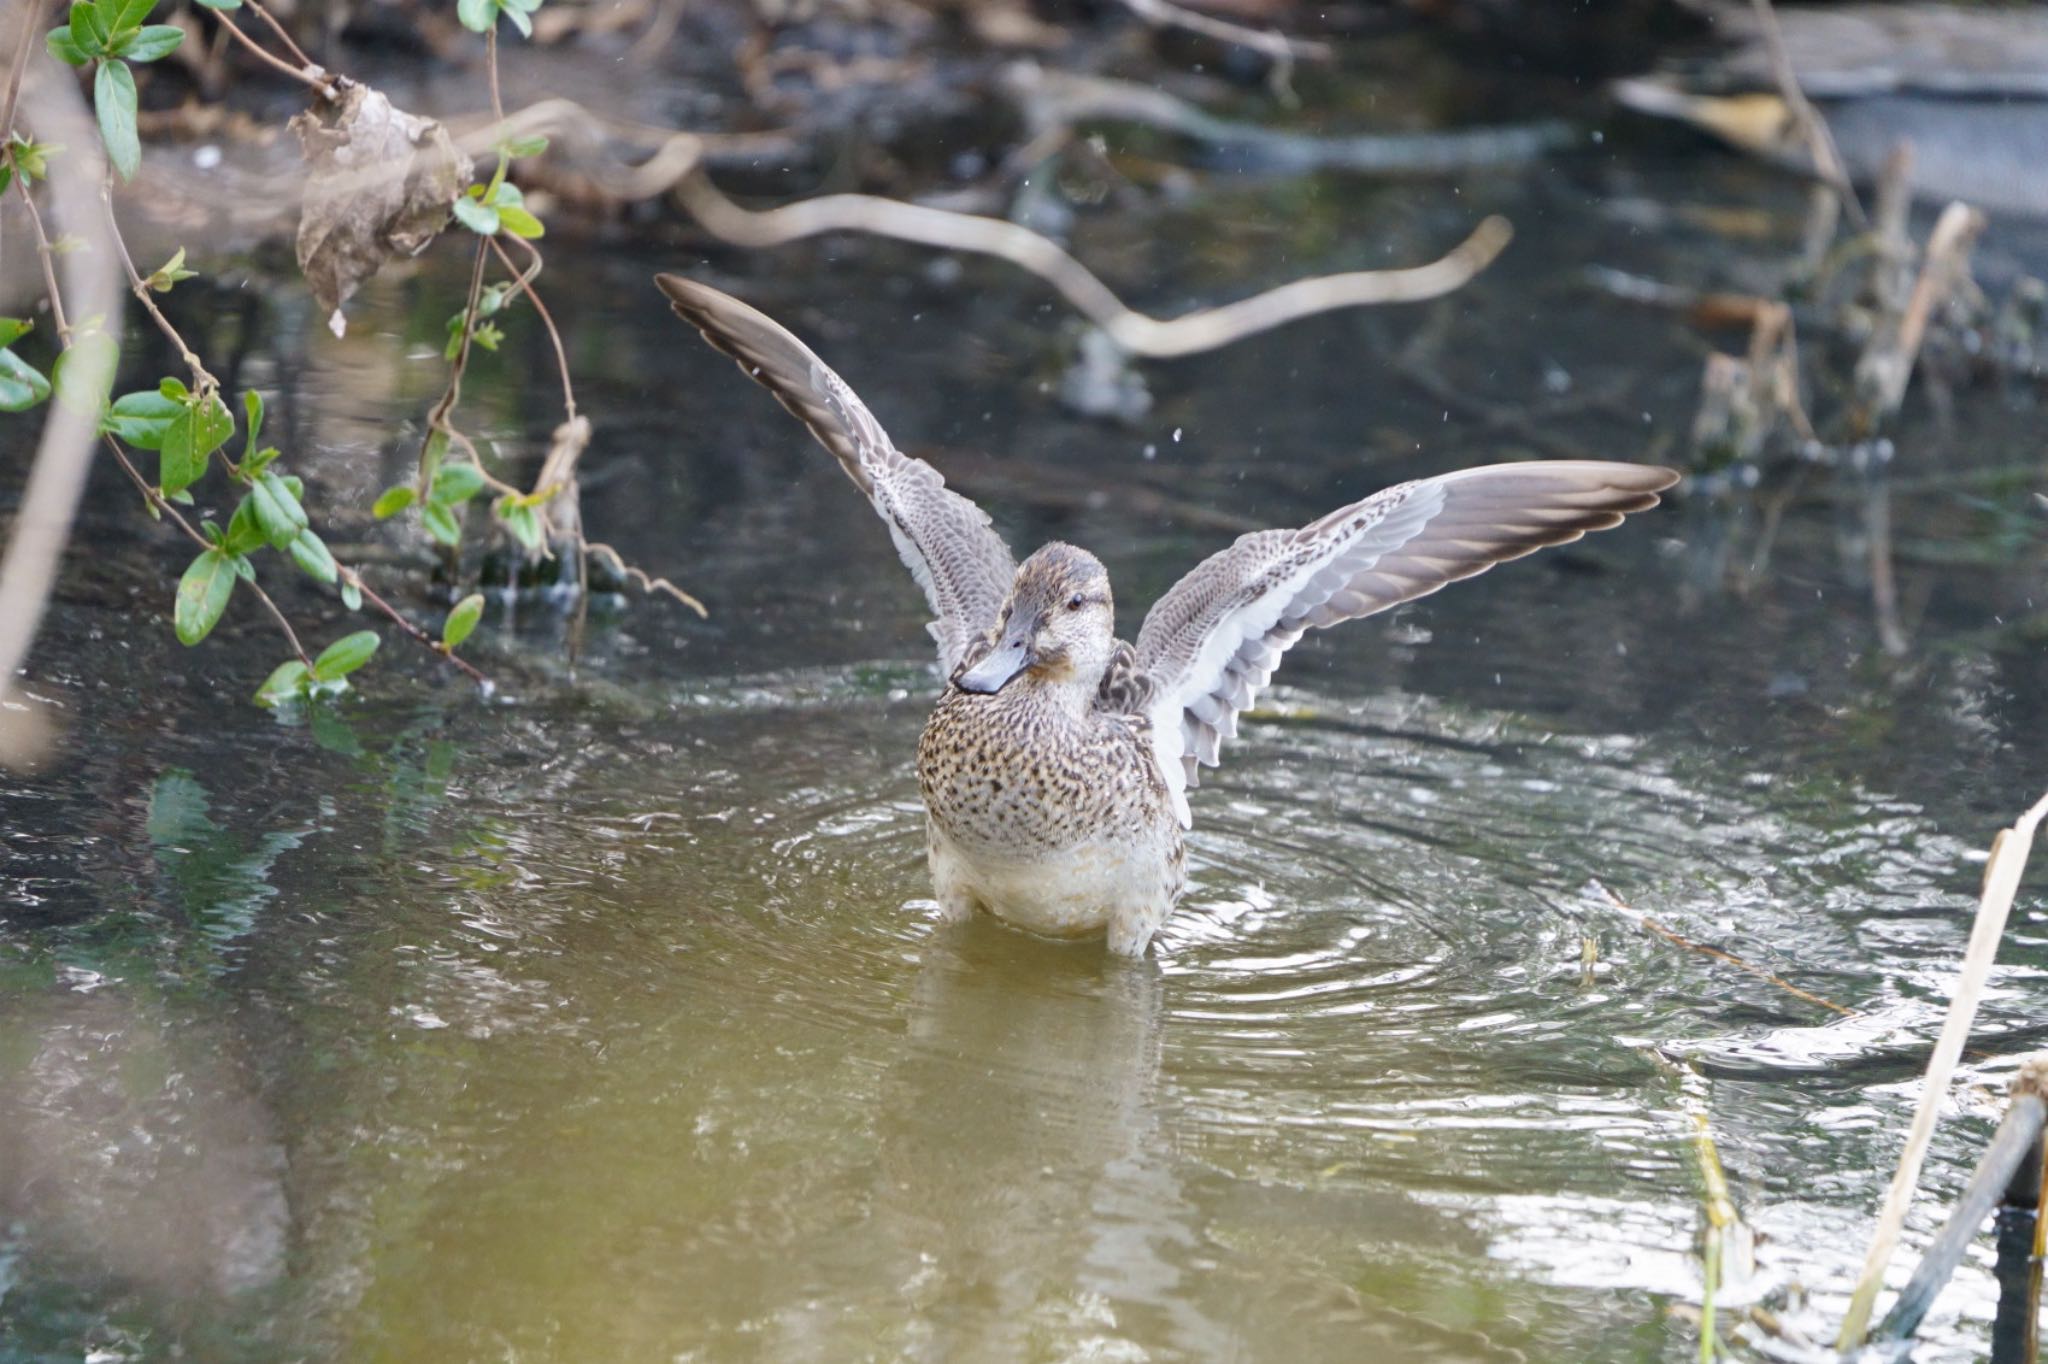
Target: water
x=609 y=1018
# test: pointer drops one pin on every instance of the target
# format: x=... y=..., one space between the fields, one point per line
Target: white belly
x=1071 y=893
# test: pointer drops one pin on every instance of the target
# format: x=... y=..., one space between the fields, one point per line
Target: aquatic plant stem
x=524 y=279
x=2001 y=881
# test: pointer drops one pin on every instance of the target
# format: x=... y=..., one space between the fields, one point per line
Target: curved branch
x=1140 y=334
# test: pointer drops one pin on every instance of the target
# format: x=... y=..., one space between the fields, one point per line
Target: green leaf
x=511 y=11
x=477 y=15
x=200 y=428
x=392 y=501
x=252 y=407
x=244 y=531
x=288 y=682
x=173 y=388
x=202 y=595
x=456 y=484
x=478 y=217
x=33 y=158
x=277 y=510
x=520 y=223
x=129 y=14
x=524 y=146
x=220 y=4
x=113 y=100
x=12 y=329
x=461 y=622
x=488 y=336
x=521 y=521
x=344 y=656
x=153 y=43
x=85 y=35
x=351 y=594
x=441 y=524
x=310 y=553
x=84 y=374
x=65 y=48
x=171 y=272
x=141 y=418
x=22 y=386
x=6 y=177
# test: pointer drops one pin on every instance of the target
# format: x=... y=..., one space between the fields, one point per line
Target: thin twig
x=31 y=23
x=399 y=619
x=2001 y=881
x=1826 y=159
x=138 y=286
x=305 y=75
x=63 y=455
x=166 y=508
x=640 y=579
x=525 y=282
x=1718 y=955
x=283 y=35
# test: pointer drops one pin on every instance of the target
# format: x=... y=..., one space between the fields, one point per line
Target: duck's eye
x=1075 y=602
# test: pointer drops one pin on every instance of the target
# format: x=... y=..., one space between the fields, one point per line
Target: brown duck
x=1055 y=768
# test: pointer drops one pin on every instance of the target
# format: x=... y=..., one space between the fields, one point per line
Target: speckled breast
x=1010 y=776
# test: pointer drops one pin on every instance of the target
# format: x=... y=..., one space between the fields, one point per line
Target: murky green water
x=607 y=1020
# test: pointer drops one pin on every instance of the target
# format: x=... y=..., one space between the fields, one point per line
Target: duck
x=1056 y=765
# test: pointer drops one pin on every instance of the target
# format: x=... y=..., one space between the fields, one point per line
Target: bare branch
x=1139 y=334
x=1276 y=45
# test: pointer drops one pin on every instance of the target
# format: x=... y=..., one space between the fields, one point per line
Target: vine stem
x=397 y=618
x=35 y=219
x=138 y=286
x=31 y=20
x=282 y=35
x=304 y=75
x=167 y=508
x=524 y=279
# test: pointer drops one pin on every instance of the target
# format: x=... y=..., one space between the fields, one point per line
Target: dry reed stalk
x=2001 y=882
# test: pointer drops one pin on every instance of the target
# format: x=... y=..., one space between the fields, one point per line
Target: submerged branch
x=1205 y=330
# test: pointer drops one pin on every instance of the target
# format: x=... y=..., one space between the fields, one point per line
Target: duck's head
x=1058 y=626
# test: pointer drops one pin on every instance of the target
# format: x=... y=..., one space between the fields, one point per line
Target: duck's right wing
x=1212 y=642
x=945 y=540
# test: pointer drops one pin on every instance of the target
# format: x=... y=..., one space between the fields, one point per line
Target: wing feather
x=1211 y=643
x=944 y=539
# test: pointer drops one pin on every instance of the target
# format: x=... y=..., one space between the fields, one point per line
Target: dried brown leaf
x=380 y=183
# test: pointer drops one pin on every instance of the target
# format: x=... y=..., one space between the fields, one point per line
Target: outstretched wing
x=945 y=540
x=1213 y=640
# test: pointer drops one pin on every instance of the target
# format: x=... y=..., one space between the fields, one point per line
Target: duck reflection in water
x=1056 y=766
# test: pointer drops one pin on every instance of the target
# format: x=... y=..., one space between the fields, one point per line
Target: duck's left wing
x=1212 y=642
x=944 y=539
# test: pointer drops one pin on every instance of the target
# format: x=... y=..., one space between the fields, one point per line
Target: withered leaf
x=380 y=183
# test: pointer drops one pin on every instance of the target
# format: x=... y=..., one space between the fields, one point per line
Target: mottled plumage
x=1055 y=766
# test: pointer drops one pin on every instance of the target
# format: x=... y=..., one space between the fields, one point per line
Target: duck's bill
x=1003 y=663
